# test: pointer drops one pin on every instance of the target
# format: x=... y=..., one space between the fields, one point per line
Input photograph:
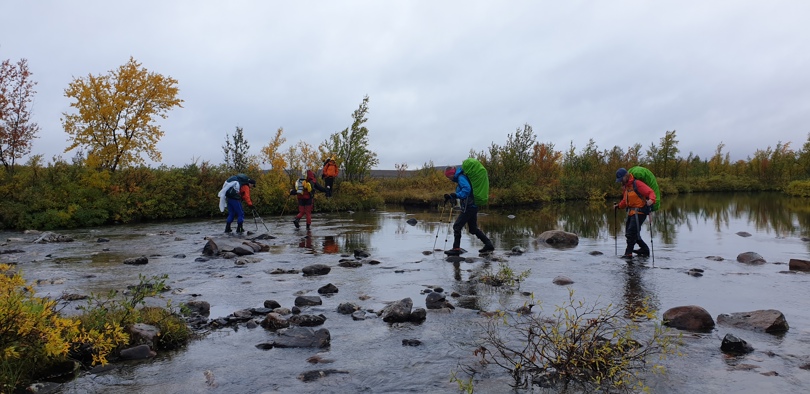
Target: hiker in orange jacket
x=330 y=172
x=637 y=199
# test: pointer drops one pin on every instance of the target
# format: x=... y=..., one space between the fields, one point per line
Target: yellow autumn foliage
x=116 y=114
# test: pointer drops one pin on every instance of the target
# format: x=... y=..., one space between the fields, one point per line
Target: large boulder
x=398 y=312
x=559 y=238
x=753 y=258
x=799 y=265
x=303 y=337
x=766 y=320
x=689 y=317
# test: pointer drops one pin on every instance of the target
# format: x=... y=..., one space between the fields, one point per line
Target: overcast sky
x=443 y=77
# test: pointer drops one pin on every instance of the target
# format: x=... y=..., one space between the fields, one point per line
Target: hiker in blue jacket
x=469 y=211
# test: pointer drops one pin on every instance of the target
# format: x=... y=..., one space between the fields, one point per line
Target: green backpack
x=479 y=180
x=648 y=178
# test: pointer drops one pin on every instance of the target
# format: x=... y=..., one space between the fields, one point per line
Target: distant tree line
x=113 y=126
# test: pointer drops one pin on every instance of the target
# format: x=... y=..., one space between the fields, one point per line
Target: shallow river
x=370 y=352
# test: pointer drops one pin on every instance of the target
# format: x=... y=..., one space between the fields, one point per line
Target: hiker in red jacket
x=637 y=199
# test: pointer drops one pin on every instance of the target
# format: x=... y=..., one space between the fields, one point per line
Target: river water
x=369 y=354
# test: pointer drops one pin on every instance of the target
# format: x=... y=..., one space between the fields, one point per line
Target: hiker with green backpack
x=472 y=188
x=639 y=200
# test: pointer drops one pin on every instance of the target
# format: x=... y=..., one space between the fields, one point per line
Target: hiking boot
x=454 y=252
x=239 y=228
x=642 y=253
x=307 y=227
x=295 y=222
x=486 y=248
x=627 y=256
x=228 y=228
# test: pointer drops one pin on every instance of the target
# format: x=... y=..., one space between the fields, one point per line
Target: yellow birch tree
x=116 y=113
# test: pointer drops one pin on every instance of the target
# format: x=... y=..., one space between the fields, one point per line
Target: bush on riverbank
x=581 y=346
x=35 y=338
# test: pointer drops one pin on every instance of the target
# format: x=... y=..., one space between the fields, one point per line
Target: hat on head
x=450 y=172
x=620 y=173
x=252 y=182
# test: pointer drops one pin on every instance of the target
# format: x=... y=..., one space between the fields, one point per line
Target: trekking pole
x=439 y=227
x=449 y=220
x=257 y=219
x=652 y=246
x=615 y=230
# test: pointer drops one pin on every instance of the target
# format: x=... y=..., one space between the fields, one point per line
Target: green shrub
x=798 y=188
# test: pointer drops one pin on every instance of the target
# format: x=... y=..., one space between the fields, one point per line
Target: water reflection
x=330 y=245
x=637 y=296
x=771 y=213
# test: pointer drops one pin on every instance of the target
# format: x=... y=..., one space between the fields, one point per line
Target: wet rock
x=518 y=250
x=690 y=318
x=350 y=264
x=558 y=238
x=311 y=376
x=411 y=221
x=179 y=256
x=43 y=388
x=765 y=320
x=562 y=281
x=49 y=237
x=308 y=301
x=714 y=258
x=274 y=321
x=316 y=270
x=303 y=337
x=328 y=289
x=211 y=248
x=54 y=281
x=143 y=333
x=525 y=310
x=72 y=297
x=743 y=234
x=265 y=345
x=435 y=300
x=359 y=315
x=100 y=240
x=243 y=250
x=281 y=271
x=733 y=345
x=260 y=311
x=411 y=342
x=419 y=315
x=372 y=262
x=307 y=320
x=347 y=308
x=595 y=253
x=253 y=245
x=272 y=304
x=139 y=352
x=454 y=259
x=137 y=260
x=283 y=311
x=751 y=258
x=799 y=265
x=696 y=272
x=361 y=254
x=398 y=312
